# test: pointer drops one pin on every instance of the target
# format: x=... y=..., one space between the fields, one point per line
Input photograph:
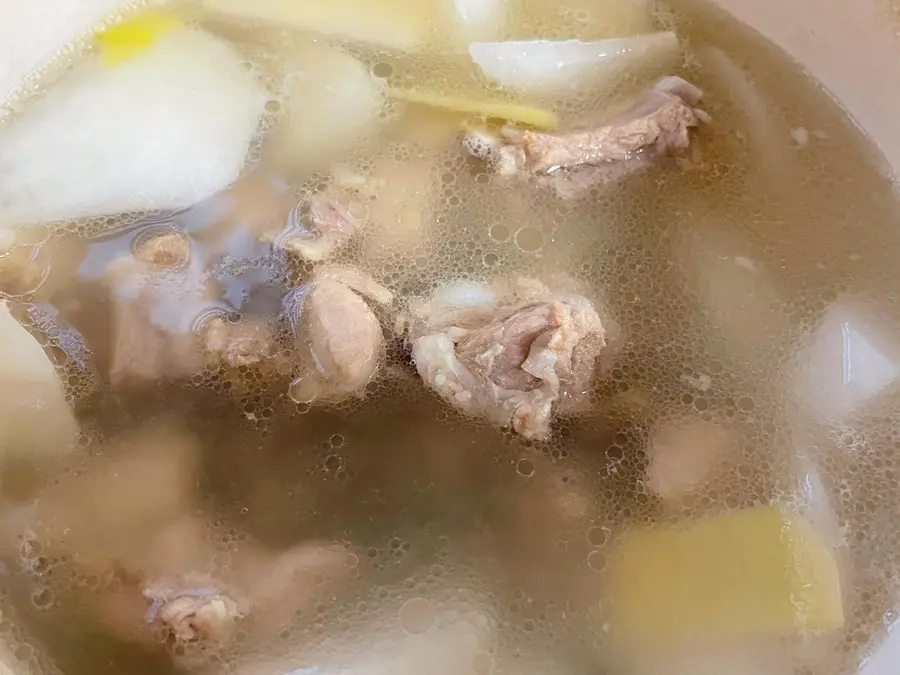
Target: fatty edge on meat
x=164 y=130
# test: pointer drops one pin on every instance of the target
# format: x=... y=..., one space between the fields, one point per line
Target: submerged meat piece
x=572 y=162
x=257 y=592
x=245 y=342
x=193 y=615
x=336 y=331
x=186 y=583
x=152 y=337
x=99 y=511
x=258 y=202
x=145 y=352
x=548 y=510
x=128 y=519
x=401 y=199
x=333 y=217
x=389 y=206
x=163 y=250
x=682 y=454
x=516 y=352
x=171 y=313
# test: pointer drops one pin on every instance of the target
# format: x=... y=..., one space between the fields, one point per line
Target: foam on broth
x=785 y=211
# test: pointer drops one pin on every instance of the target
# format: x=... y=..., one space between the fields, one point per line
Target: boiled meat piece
x=170 y=320
x=336 y=331
x=103 y=508
x=682 y=454
x=387 y=209
x=318 y=227
x=258 y=592
x=153 y=289
x=389 y=206
x=193 y=616
x=237 y=343
x=516 y=352
x=144 y=349
x=164 y=571
x=547 y=512
x=572 y=162
x=401 y=197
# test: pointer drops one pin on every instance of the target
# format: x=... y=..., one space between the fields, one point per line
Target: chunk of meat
x=516 y=352
x=144 y=346
x=258 y=202
x=144 y=352
x=169 y=313
x=98 y=511
x=356 y=279
x=548 y=511
x=129 y=520
x=163 y=250
x=333 y=218
x=156 y=291
x=389 y=207
x=682 y=454
x=183 y=584
x=572 y=162
x=258 y=591
x=402 y=200
x=153 y=289
x=246 y=342
x=344 y=335
x=193 y=615
x=337 y=332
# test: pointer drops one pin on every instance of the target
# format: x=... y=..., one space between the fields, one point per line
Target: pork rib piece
x=571 y=162
x=516 y=352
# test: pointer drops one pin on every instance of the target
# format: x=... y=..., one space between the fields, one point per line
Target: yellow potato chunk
x=753 y=572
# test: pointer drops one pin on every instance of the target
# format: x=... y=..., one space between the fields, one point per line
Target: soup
x=275 y=452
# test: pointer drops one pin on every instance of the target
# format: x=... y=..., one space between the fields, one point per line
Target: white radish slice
x=33 y=33
x=333 y=104
x=556 y=67
x=481 y=19
x=163 y=130
x=35 y=417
